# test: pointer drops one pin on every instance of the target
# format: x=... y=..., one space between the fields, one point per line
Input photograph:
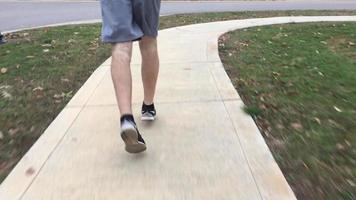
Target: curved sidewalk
x=202 y=145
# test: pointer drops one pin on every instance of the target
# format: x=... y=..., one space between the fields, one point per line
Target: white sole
x=146 y=118
x=130 y=137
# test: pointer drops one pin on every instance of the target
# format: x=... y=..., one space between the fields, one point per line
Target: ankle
x=147 y=103
x=128 y=117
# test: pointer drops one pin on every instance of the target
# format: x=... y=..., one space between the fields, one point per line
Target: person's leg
x=119 y=29
x=121 y=75
x=149 y=68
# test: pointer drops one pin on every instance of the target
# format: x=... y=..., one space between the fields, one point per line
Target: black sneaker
x=148 y=112
x=134 y=142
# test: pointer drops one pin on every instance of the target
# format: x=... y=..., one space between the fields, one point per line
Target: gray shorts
x=129 y=20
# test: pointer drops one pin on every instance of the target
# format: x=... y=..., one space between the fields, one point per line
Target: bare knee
x=121 y=52
x=148 y=46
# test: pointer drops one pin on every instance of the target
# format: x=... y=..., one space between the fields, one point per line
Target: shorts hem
x=111 y=41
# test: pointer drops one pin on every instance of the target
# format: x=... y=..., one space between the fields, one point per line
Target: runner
x=126 y=21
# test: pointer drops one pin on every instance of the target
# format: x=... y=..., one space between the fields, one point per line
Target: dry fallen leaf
x=13 y=131
x=317 y=120
x=65 y=80
x=353 y=184
x=297 y=126
x=280 y=126
x=5 y=94
x=340 y=146
x=57 y=96
x=337 y=109
x=1 y=135
x=38 y=91
x=37 y=88
x=3 y=70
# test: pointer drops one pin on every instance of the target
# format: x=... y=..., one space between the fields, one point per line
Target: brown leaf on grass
x=280 y=126
x=46 y=45
x=262 y=107
x=71 y=41
x=1 y=135
x=3 y=70
x=4 y=92
x=276 y=74
x=335 y=124
x=277 y=143
x=340 y=147
x=65 y=80
x=347 y=143
x=337 y=109
x=57 y=96
x=317 y=120
x=297 y=126
x=57 y=101
x=243 y=44
x=350 y=182
x=13 y=131
x=38 y=92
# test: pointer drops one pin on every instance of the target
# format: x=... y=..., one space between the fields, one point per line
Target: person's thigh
x=146 y=16
x=118 y=24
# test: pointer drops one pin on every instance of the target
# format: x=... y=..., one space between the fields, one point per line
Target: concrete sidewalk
x=202 y=145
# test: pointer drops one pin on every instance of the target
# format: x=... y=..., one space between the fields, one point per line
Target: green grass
x=301 y=79
x=46 y=66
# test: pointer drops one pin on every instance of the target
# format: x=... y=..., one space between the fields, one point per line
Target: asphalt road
x=18 y=15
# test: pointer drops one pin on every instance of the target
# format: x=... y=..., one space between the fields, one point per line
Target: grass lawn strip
x=299 y=83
